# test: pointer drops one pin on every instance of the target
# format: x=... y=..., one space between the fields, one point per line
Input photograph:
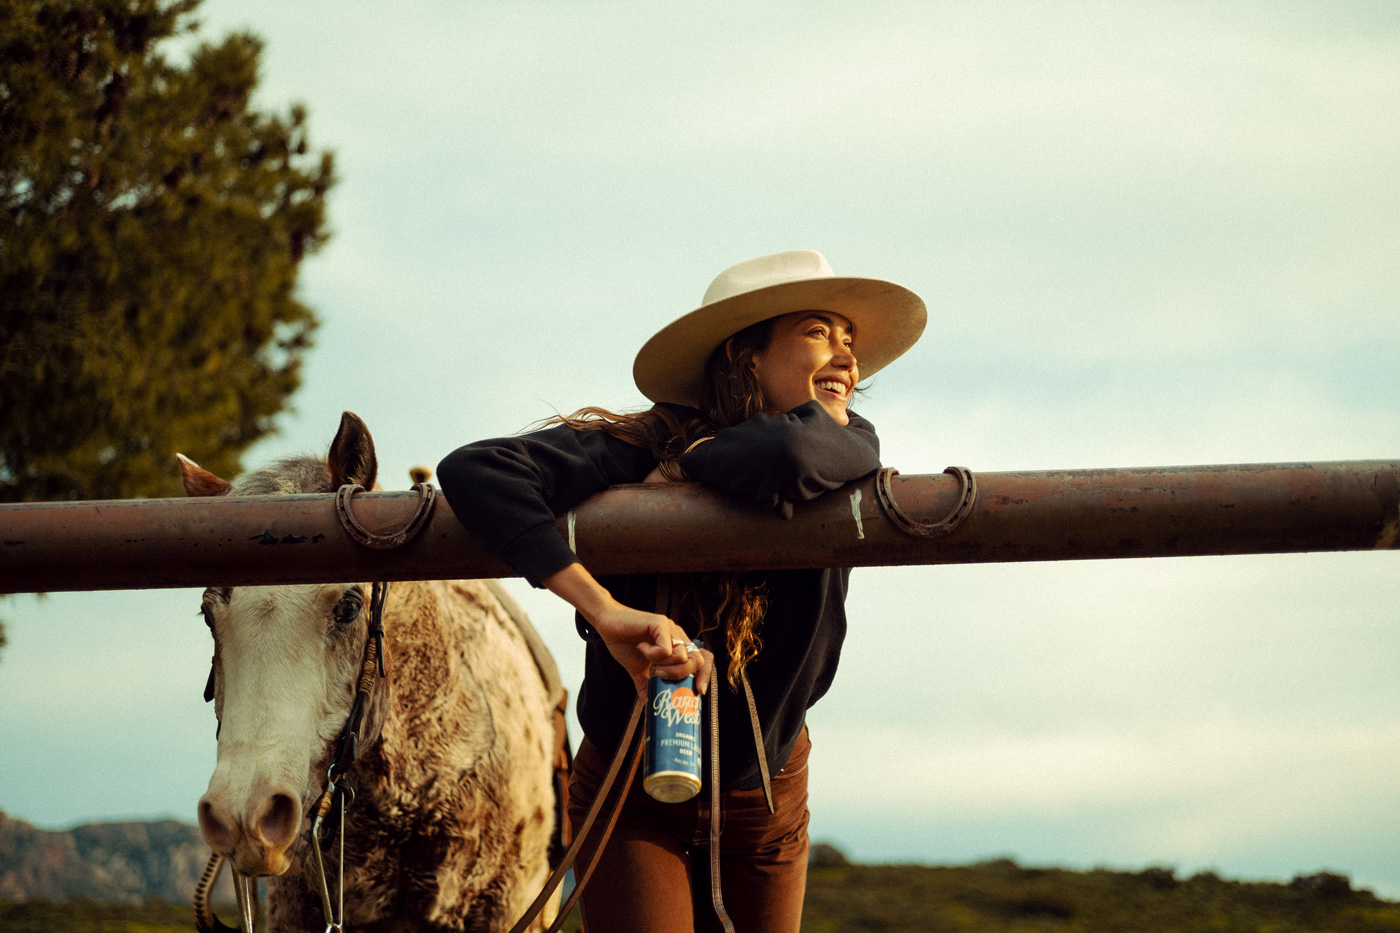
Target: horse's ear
x=199 y=481
x=351 y=458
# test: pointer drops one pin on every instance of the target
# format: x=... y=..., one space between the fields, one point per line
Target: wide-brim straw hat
x=887 y=319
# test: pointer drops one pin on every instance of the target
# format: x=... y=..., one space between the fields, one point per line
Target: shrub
x=1324 y=884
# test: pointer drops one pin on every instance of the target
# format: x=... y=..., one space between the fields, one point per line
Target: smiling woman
x=752 y=392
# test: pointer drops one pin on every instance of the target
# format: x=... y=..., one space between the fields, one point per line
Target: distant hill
x=117 y=863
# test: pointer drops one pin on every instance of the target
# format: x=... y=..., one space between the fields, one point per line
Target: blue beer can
x=673 y=751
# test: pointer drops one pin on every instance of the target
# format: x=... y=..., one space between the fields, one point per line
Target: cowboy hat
x=887 y=319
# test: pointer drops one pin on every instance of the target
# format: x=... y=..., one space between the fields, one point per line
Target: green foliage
x=151 y=228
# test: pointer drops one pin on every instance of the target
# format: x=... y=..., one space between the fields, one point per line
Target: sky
x=1148 y=234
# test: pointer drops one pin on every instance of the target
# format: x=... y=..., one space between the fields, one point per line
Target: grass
x=87 y=916
x=1002 y=897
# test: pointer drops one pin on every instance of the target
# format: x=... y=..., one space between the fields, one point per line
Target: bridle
x=347 y=750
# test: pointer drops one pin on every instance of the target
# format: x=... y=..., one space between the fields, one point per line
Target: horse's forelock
x=286 y=477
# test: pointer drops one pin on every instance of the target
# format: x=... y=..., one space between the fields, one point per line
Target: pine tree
x=151 y=228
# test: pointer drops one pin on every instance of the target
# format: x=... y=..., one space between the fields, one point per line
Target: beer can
x=673 y=751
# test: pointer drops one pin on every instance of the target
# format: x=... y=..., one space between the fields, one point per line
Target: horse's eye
x=208 y=614
x=347 y=610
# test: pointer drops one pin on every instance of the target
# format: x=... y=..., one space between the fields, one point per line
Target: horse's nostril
x=215 y=829
x=280 y=819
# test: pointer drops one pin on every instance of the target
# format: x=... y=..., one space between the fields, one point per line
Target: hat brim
x=888 y=320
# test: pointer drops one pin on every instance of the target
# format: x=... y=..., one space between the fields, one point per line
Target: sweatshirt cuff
x=538 y=553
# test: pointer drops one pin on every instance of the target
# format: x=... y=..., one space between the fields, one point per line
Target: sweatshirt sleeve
x=507 y=491
x=782 y=459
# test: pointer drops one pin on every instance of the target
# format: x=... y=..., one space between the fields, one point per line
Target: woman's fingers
x=638 y=640
x=705 y=663
x=697 y=662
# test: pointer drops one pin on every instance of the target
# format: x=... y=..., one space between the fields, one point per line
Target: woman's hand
x=636 y=639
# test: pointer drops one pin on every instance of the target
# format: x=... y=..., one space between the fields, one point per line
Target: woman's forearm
x=577 y=587
x=638 y=640
x=779 y=460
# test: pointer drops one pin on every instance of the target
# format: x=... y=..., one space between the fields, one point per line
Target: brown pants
x=654 y=874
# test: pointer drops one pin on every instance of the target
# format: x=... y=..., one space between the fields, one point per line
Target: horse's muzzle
x=259 y=840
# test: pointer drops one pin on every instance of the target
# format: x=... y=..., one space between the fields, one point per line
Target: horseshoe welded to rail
x=382 y=542
x=967 y=497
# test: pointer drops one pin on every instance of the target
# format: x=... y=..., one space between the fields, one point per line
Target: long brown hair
x=733 y=603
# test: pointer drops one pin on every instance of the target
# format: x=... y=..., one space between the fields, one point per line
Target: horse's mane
x=286 y=477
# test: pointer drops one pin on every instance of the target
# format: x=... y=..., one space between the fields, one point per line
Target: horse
x=450 y=810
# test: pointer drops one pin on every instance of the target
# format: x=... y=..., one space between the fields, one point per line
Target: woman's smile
x=809 y=356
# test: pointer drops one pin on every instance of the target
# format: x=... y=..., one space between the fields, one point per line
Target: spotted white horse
x=449 y=826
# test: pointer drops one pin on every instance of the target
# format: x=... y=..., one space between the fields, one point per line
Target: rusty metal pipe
x=1050 y=515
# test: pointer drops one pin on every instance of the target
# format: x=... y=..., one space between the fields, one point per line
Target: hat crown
x=794 y=265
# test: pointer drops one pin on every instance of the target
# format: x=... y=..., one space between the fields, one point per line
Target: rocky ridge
x=122 y=863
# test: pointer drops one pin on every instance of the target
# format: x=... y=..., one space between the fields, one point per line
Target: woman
x=752 y=393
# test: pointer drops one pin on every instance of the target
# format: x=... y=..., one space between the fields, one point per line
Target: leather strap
x=758 y=743
x=582 y=877
x=716 y=896
x=205 y=920
x=665 y=605
x=624 y=748
x=631 y=745
x=347 y=746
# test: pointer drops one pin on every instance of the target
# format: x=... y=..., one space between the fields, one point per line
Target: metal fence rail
x=1018 y=516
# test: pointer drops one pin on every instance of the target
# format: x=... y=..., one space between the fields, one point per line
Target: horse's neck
x=437 y=716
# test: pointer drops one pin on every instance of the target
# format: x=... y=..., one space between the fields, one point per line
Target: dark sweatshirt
x=508 y=491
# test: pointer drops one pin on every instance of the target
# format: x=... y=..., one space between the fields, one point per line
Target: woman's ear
x=754 y=355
